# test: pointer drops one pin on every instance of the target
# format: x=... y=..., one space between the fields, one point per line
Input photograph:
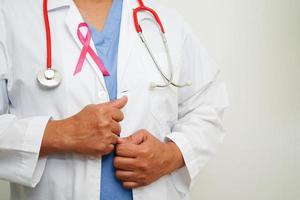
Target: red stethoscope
x=51 y=78
x=48 y=78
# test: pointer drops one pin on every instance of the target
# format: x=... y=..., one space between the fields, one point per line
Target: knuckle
x=143 y=166
x=104 y=124
x=128 y=185
x=99 y=148
x=142 y=178
x=106 y=150
x=110 y=147
x=125 y=185
x=118 y=174
x=113 y=140
x=145 y=151
x=116 y=162
x=122 y=116
x=142 y=182
x=143 y=131
x=103 y=110
x=118 y=150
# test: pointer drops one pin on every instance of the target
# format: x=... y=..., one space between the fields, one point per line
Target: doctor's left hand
x=142 y=159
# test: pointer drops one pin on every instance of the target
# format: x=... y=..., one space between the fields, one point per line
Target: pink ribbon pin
x=87 y=49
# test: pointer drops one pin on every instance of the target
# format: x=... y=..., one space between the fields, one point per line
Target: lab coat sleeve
x=20 y=139
x=199 y=128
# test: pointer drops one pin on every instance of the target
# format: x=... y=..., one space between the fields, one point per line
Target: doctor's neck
x=91 y=2
x=94 y=11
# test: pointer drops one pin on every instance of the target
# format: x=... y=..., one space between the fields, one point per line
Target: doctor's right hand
x=92 y=132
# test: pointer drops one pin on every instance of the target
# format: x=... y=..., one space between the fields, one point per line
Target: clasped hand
x=142 y=159
x=92 y=132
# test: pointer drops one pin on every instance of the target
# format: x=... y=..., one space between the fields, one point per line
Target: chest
x=135 y=74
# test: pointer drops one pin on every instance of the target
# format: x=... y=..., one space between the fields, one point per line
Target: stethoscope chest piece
x=49 y=78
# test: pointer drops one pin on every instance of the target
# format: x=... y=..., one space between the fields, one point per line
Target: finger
x=108 y=149
x=130 y=185
x=116 y=128
x=126 y=175
x=117 y=114
x=113 y=139
x=136 y=138
x=127 y=150
x=122 y=163
x=119 y=103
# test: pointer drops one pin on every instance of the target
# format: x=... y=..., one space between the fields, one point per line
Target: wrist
x=48 y=142
x=55 y=138
x=174 y=157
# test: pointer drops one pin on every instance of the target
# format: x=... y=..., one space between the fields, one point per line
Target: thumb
x=119 y=103
x=136 y=138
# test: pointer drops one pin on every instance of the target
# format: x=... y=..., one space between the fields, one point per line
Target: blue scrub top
x=106 y=43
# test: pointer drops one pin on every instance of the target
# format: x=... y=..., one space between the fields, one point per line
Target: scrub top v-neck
x=106 y=43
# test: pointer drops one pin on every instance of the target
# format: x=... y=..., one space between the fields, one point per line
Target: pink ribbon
x=87 y=49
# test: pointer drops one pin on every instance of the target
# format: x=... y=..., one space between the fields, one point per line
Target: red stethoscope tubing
x=138 y=28
x=48 y=34
x=142 y=8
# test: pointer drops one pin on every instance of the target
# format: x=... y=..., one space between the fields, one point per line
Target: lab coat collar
x=127 y=41
x=72 y=20
x=58 y=4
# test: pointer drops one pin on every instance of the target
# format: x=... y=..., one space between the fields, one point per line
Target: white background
x=257 y=45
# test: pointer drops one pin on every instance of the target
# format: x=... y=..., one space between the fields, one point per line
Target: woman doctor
x=88 y=113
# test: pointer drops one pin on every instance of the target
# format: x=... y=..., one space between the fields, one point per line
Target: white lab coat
x=191 y=116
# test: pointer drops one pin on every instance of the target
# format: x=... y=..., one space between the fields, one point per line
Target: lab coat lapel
x=73 y=19
x=127 y=41
x=57 y=4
